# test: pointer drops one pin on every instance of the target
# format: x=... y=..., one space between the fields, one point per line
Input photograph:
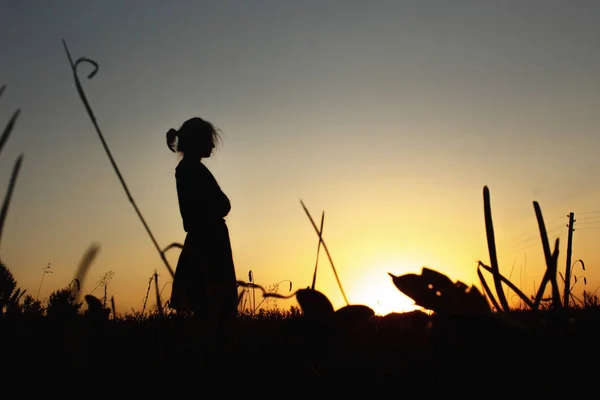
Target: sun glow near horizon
x=385 y=299
x=375 y=289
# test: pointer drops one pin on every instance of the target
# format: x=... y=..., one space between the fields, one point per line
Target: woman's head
x=195 y=138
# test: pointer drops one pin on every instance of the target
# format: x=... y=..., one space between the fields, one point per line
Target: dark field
x=286 y=355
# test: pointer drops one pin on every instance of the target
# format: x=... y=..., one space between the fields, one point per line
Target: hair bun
x=171 y=138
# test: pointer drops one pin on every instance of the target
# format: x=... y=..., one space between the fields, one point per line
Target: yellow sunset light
x=374 y=288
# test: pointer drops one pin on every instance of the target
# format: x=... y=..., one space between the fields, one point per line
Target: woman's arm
x=200 y=199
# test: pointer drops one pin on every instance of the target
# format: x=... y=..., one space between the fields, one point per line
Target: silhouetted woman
x=205 y=280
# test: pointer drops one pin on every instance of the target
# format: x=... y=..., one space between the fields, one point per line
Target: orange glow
x=374 y=287
x=384 y=299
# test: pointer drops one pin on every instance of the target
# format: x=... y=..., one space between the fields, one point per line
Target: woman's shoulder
x=183 y=168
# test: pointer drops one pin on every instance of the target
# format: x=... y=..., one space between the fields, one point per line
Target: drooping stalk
x=92 y=116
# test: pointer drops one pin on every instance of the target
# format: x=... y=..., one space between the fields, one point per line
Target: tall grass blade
x=505 y=281
x=15 y=298
x=90 y=112
x=326 y=251
x=314 y=281
x=9 y=192
x=487 y=290
x=147 y=294
x=159 y=306
x=551 y=267
x=556 y=301
x=112 y=305
x=84 y=267
x=489 y=229
x=8 y=129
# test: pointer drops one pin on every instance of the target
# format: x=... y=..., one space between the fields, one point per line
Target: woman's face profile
x=202 y=147
x=205 y=149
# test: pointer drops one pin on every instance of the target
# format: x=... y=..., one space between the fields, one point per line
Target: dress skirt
x=205 y=280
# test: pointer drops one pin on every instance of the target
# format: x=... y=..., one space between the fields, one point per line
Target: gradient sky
x=389 y=116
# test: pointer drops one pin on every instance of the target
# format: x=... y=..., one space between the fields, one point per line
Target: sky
x=387 y=116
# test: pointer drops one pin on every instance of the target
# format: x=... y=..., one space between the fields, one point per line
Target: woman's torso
x=202 y=203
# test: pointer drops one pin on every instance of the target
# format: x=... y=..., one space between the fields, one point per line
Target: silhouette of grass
x=17 y=167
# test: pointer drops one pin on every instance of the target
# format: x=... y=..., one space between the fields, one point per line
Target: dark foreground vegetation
x=283 y=354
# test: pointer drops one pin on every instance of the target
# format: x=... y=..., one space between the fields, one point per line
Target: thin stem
x=90 y=112
x=326 y=251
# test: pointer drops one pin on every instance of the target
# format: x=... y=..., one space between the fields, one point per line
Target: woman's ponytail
x=171 y=139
